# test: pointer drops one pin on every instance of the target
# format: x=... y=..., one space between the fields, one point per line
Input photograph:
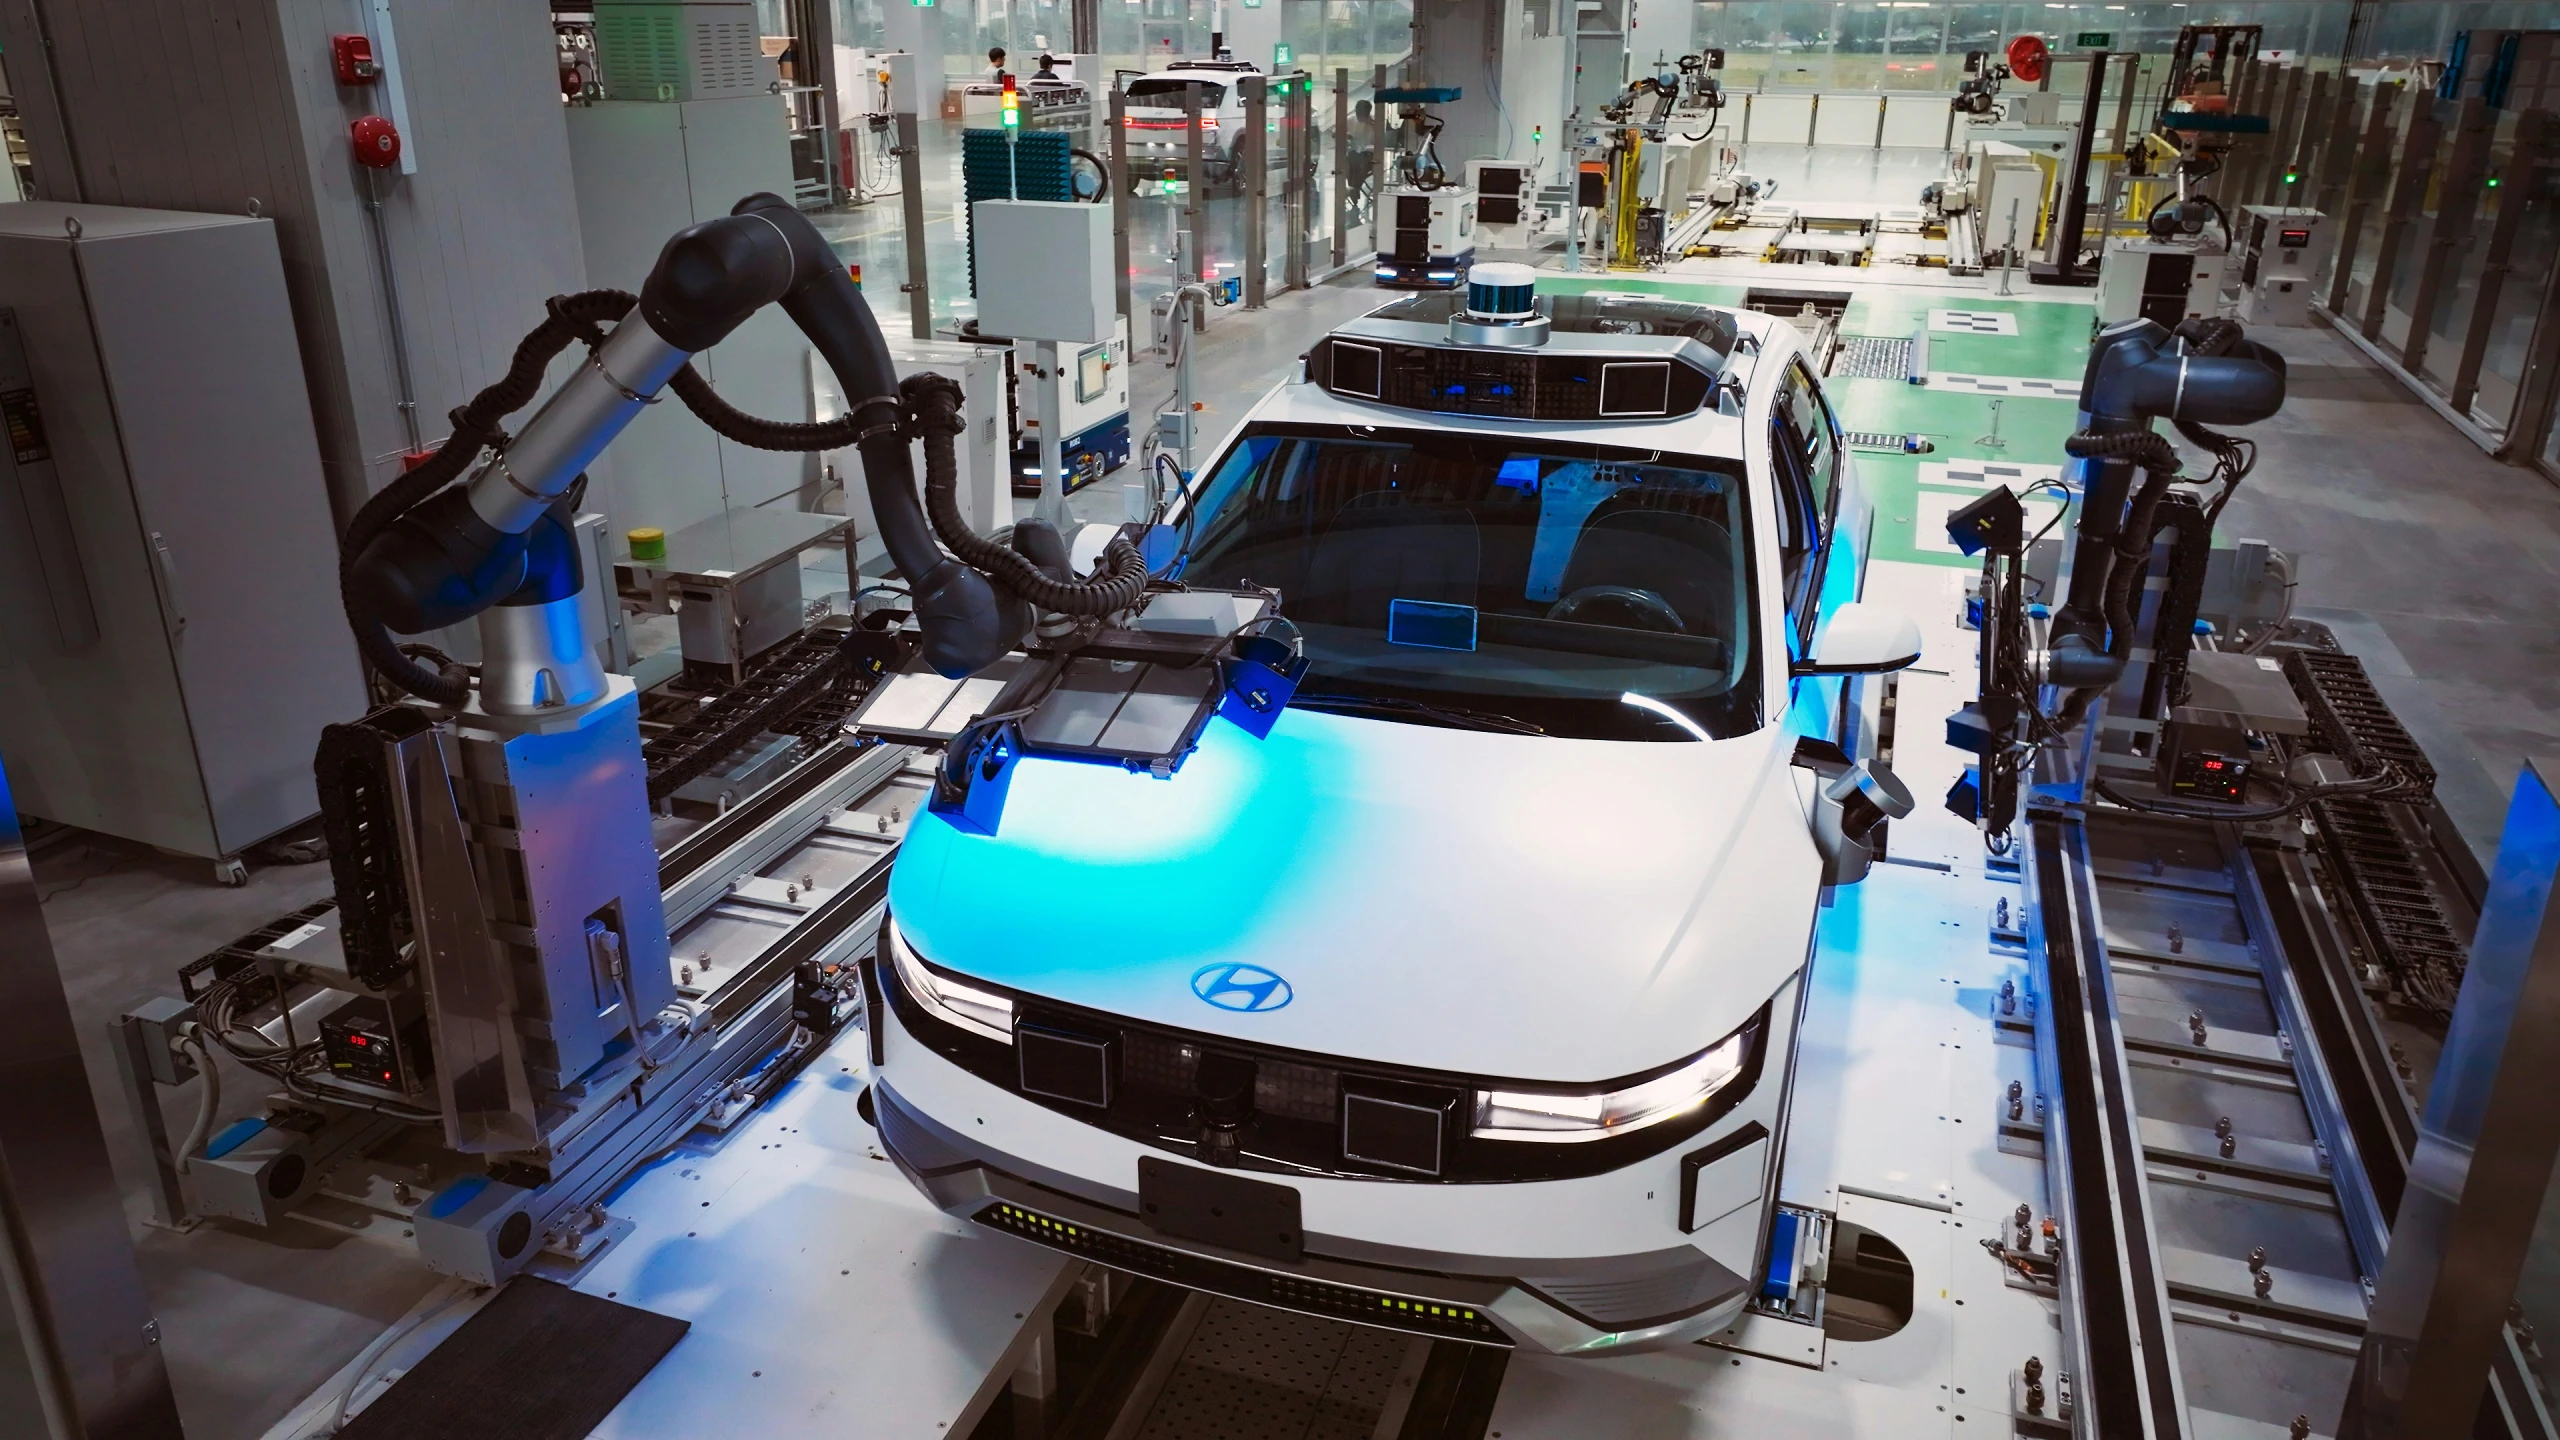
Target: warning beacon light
x=1012 y=106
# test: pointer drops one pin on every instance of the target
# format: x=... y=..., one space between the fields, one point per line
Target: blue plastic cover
x=1781 y=1279
x=232 y=1137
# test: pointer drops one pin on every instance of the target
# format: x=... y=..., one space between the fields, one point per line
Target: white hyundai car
x=1465 y=1000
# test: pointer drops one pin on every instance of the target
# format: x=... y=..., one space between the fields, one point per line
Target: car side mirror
x=1861 y=639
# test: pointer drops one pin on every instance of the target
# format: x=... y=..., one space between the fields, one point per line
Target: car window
x=1582 y=589
x=1169 y=92
x=1800 y=396
x=1799 y=525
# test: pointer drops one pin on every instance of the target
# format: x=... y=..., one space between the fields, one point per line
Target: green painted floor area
x=2052 y=343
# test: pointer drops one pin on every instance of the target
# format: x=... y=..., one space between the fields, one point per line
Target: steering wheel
x=1624 y=606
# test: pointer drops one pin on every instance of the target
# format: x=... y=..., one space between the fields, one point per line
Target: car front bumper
x=1448 y=1260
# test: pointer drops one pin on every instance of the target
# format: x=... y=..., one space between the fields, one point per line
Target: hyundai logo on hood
x=1240 y=987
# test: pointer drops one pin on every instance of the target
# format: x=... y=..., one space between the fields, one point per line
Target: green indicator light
x=2291 y=177
x=2493 y=182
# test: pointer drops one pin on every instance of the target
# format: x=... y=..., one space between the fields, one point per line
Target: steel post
x=2456 y=203
x=132 y=1041
x=2301 y=138
x=66 y=1263
x=2358 y=169
x=2280 y=137
x=2531 y=427
x=2408 y=191
x=1296 y=154
x=819 y=55
x=1124 y=186
x=1196 y=182
x=1341 y=167
x=1253 y=155
x=2531 y=129
x=2484 y=1156
x=911 y=209
x=1378 y=169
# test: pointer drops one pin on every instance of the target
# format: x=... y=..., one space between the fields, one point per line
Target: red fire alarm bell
x=377 y=143
x=353 y=57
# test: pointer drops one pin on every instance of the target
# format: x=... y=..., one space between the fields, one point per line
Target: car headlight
x=1570 y=1115
x=957 y=1002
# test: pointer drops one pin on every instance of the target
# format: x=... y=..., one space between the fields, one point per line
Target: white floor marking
x=1983 y=474
x=1956 y=383
x=1974 y=322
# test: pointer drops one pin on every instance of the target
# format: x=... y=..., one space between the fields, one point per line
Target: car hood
x=1522 y=907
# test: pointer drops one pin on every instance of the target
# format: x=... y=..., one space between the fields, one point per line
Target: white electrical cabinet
x=643 y=171
x=1094 y=391
x=2283 y=249
x=170 y=631
x=2008 y=197
x=1044 y=270
x=2162 y=280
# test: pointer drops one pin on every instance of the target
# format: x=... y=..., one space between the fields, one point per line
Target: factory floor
x=2441 y=567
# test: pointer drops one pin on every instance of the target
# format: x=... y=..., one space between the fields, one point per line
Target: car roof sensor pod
x=1502 y=308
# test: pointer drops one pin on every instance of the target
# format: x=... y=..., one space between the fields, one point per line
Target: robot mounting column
x=1046 y=387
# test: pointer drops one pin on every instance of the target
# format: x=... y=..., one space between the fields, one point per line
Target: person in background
x=995 y=57
x=1359 y=161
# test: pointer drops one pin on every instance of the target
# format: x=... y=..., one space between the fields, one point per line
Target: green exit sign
x=2097 y=39
x=1281 y=55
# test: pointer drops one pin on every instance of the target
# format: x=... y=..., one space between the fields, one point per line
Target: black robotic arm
x=426 y=552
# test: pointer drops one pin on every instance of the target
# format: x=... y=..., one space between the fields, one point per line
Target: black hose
x=475 y=426
x=2147 y=448
x=935 y=403
x=755 y=431
x=2160 y=464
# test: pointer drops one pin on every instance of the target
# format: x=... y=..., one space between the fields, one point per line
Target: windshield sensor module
x=1431 y=624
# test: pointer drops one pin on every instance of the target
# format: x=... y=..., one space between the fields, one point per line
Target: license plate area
x=1254 y=1217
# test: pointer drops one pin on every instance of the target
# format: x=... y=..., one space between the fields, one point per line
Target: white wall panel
x=1847 y=118
x=1916 y=121
x=1781 y=119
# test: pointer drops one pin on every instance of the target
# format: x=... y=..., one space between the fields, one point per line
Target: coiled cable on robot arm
x=2159 y=462
x=933 y=403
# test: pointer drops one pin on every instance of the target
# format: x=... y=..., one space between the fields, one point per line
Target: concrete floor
x=2443 y=567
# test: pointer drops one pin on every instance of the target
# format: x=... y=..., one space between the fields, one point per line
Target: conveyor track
x=2219 y=1229
x=1126 y=1358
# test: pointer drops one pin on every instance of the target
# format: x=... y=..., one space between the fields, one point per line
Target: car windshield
x=1459 y=578
x=1168 y=93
